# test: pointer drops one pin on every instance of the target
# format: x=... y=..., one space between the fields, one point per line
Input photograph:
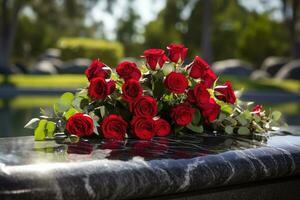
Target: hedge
x=109 y=52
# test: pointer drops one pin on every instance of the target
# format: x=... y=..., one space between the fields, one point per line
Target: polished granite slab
x=138 y=169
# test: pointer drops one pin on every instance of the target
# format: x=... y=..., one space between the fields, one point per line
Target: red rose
x=143 y=127
x=162 y=127
x=200 y=69
x=114 y=127
x=128 y=70
x=111 y=85
x=210 y=111
x=176 y=82
x=209 y=78
x=197 y=69
x=177 y=52
x=199 y=94
x=144 y=106
x=225 y=93
x=191 y=97
x=182 y=114
x=97 y=69
x=131 y=90
x=80 y=125
x=100 y=89
x=257 y=109
x=155 y=58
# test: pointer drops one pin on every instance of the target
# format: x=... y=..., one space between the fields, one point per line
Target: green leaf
x=50 y=128
x=83 y=94
x=32 y=124
x=40 y=132
x=243 y=131
x=256 y=118
x=196 y=129
x=196 y=117
x=69 y=113
x=102 y=111
x=81 y=100
x=177 y=128
x=160 y=107
x=226 y=108
x=42 y=111
x=247 y=115
x=158 y=88
x=159 y=75
x=95 y=119
x=221 y=116
x=230 y=121
x=56 y=108
x=168 y=68
x=215 y=83
x=276 y=115
x=229 y=129
x=242 y=120
x=64 y=103
x=84 y=103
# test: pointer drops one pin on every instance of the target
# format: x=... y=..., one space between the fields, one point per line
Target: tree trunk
x=290 y=13
x=206 y=48
x=294 y=39
x=8 y=31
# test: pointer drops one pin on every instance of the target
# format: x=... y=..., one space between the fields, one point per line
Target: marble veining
x=137 y=169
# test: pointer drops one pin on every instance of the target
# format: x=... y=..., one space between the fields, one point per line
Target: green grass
x=78 y=81
x=23 y=102
x=37 y=101
x=291 y=108
x=48 y=81
x=266 y=84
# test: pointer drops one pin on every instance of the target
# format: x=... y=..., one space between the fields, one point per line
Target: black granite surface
x=139 y=169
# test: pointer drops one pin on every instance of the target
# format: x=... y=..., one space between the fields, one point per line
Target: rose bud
x=191 y=97
x=128 y=70
x=210 y=111
x=113 y=127
x=131 y=90
x=197 y=69
x=155 y=58
x=111 y=85
x=80 y=124
x=99 y=89
x=176 y=82
x=225 y=93
x=97 y=69
x=143 y=127
x=177 y=53
x=162 y=127
x=144 y=106
x=200 y=94
x=182 y=114
x=257 y=109
x=209 y=78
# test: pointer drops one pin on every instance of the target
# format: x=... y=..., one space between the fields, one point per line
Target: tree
x=291 y=9
x=127 y=31
x=53 y=16
x=207 y=30
x=10 y=10
x=167 y=27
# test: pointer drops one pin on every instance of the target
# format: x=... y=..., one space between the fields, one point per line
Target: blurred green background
x=45 y=46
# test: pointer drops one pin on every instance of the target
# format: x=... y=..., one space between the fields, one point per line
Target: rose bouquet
x=162 y=96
